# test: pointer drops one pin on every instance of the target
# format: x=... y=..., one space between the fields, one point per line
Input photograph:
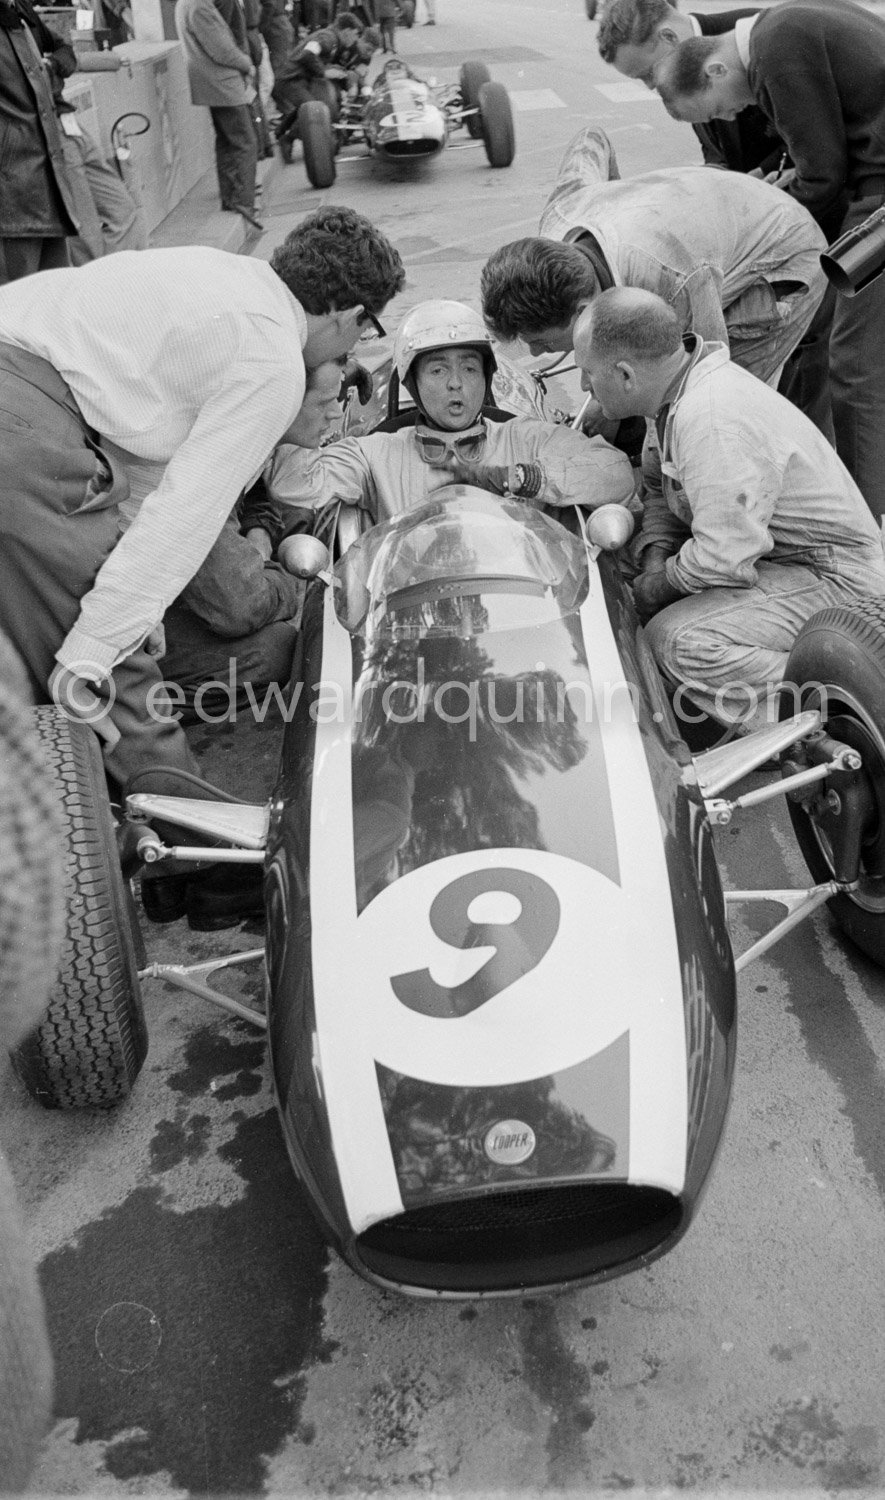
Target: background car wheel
x=496 y=115
x=90 y=1045
x=838 y=664
x=315 y=130
x=470 y=80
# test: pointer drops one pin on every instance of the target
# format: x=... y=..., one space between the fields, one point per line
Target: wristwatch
x=524 y=481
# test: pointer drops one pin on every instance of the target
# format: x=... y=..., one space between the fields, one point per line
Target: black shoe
x=164 y=897
x=224 y=896
x=245 y=213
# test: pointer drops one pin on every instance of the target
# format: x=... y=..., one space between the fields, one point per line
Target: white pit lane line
x=628 y=91
x=524 y=100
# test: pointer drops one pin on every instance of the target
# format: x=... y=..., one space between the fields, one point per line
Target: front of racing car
x=501 y=989
x=401 y=120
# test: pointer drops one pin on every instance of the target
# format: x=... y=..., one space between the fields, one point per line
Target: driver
x=443 y=356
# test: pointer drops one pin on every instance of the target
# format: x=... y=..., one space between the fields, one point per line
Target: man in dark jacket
x=278 y=32
x=636 y=35
x=220 y=72
x=37 y=209
x=818 y=72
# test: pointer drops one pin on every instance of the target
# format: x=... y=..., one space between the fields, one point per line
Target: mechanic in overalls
x=737 y=258
x=751 y=522
x=444 y=359
x=345 y=45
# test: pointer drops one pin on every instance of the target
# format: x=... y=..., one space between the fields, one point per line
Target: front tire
x=496 y=117
x=88 y=1049
x=838 y=665
x=470 y=80
x=317 y=140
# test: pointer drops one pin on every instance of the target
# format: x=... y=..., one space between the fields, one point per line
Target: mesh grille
x=534 y=1237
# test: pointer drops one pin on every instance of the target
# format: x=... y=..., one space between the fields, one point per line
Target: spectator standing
x=385 y=18
x=220 y=72
x=251 y=10
x=37 y=210
x=278 y=31
x=817 y=71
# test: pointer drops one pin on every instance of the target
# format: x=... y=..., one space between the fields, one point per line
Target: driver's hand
x=78 y=700
x=356 y=375
x=494 y=477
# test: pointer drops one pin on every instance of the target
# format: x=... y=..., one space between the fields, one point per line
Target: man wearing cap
x=817 y=71
x=444 y=359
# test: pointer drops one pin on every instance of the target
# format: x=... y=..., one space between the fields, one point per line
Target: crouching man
x=751 y=526
x=443 y=357
x=235 y=625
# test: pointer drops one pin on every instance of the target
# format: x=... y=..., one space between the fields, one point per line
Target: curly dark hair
x=534 y=284
x=336 y=258
x=629 y=23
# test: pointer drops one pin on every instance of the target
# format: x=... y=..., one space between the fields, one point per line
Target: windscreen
x=426 y=570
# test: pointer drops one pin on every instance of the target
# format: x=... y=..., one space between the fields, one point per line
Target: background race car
x=404 y=119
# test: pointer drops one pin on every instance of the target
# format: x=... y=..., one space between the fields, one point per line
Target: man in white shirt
x=139 y=396
x=753 y=523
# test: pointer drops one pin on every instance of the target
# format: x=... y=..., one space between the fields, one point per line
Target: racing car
x=499 y=982
x=398 y=116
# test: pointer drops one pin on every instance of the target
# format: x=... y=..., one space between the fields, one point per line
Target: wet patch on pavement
x=175 y=1142
x=562 y=1383
x=182 y=1338
x=808 y=1435
x=210 y=1055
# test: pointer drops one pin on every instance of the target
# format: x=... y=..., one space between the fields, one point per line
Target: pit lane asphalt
x=206 y=1343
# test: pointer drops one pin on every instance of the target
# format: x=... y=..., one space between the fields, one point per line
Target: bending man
x=736 y=258
x=818 y=72
x=756 y=523
x=140 y=396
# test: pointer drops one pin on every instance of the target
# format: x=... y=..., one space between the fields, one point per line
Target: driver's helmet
x=441 y=325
